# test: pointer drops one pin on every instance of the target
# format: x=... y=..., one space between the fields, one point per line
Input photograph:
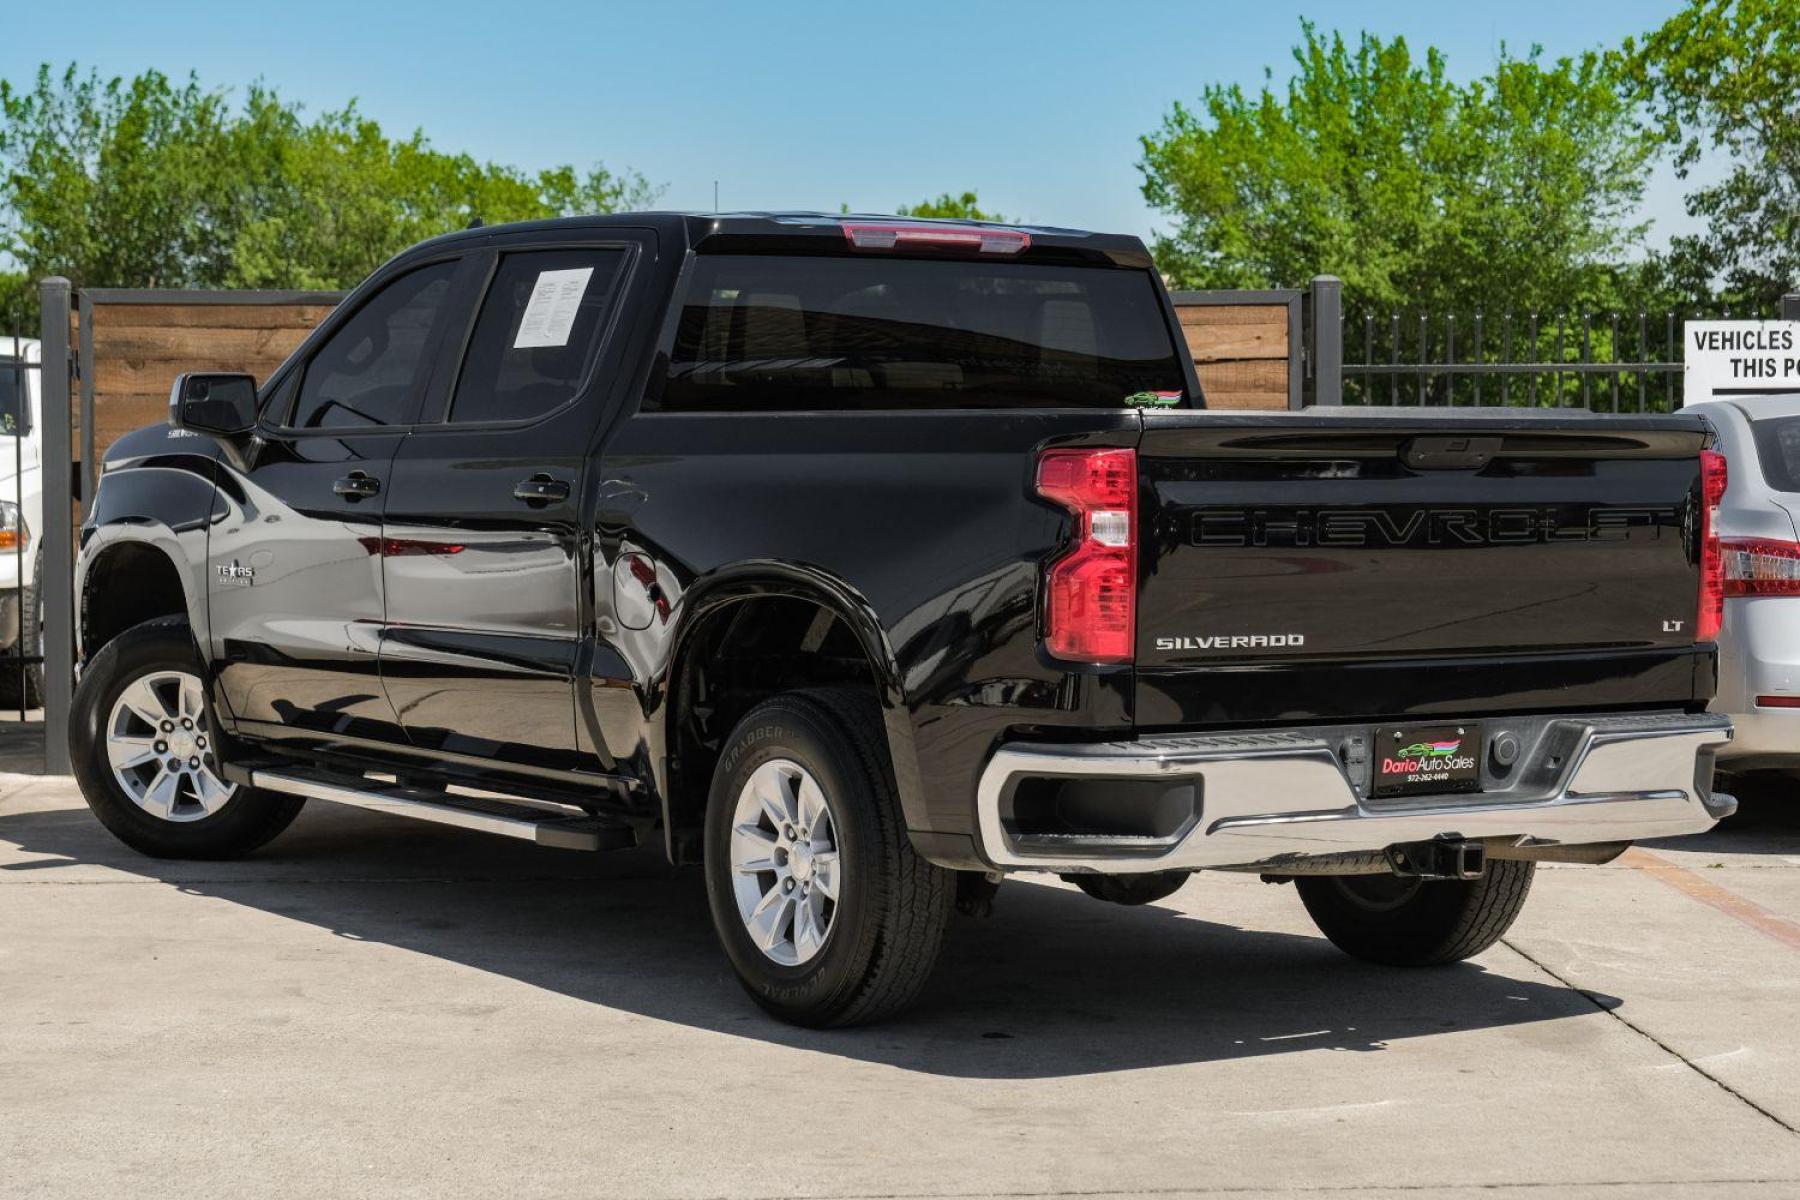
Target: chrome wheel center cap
x=181 y=744
x=800 y=862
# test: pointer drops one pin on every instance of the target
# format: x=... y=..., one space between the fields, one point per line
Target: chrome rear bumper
x=1262 y=799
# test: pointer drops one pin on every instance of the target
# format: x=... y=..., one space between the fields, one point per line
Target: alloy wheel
x=159 y=748
x=786 y=873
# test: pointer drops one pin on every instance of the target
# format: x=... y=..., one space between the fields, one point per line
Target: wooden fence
x=1245 y=345
x=133 y=342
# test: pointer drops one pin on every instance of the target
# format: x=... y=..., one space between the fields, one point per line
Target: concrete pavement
x=377 y=1007
x=22 y=743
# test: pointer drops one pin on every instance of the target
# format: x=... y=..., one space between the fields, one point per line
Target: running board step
x=543 y=822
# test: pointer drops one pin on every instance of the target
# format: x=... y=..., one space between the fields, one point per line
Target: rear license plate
x=1410 y=759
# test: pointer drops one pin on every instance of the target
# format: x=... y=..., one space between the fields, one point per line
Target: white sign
x=550 y=313
x=1741 y=358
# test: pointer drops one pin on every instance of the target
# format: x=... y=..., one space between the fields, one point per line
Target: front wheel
x=1402 y=922
x=827 y=913
x=143 y=751
x=22 y=683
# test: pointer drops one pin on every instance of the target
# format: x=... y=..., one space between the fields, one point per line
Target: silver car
x=1759 y=531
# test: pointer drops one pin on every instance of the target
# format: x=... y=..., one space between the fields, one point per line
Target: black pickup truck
x=864 y=561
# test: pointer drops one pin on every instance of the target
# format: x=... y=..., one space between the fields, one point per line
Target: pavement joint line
x=1723 y=899
x=1315 y=1189
x=1790 y=864
x=1671 y=1051
x=277 y=882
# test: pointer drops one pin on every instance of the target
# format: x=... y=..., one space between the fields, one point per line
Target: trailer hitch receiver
x=1440 y=858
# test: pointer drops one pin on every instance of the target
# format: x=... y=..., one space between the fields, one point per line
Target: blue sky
x=1038 y=105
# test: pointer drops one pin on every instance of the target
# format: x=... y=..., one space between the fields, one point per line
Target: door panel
x=295 y=590
x=480 y=648
x=480 y=552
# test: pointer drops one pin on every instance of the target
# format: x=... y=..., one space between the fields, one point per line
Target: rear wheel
x=142 y=747
x=827 y=913
x=1403 y=922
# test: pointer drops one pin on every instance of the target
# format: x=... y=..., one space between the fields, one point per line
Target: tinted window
x=365 y=373
x=12 y=400
x=1778 y=446
x=279 y=403
x=535 y=339
x=827 y=333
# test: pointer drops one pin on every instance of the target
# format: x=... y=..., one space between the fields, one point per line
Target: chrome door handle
x=541 y=489
x=356 y=486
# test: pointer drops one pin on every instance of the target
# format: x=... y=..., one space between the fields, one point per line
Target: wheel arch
x=707 y=612
x=128 y=574
x=151 y=523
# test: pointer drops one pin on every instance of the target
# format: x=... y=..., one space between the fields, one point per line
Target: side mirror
x=216 y=404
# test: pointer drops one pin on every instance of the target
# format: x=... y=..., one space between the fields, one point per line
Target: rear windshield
x=770 y=333
x=1778 y=446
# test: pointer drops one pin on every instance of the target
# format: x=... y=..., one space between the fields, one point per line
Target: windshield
x=1778 y=446
x=771 y=333
x=12 y=384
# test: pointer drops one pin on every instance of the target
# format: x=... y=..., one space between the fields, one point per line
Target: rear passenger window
x=539 y=329
x=364 y=374
x=767 y=333
x=1778 y=446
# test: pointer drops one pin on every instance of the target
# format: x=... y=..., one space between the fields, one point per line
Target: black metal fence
x=1603 y=362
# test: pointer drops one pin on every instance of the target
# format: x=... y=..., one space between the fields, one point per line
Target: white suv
x=1759 y=530
x=21 y=516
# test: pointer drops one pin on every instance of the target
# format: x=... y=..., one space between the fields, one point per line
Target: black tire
x=23 y=686
x=247 y=820
x=1417 y=923
x=1146 y=888
x=887 y=924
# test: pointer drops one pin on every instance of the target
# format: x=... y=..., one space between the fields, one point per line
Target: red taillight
x=1761 y=567
x=1778 y=702
x=1090 y=593
x=865 y=235
x=1712 y=560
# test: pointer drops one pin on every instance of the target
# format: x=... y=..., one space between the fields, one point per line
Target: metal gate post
x=1790 y=307
x=84 y=371
x=1328 y=339
x=58 y=585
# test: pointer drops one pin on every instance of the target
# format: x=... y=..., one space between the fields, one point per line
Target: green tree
x=324 y=202
x=1513 y=191
x=18 y=308
x=106 y=181
x=152 y=184
x=966 y=206
x=1723 y=76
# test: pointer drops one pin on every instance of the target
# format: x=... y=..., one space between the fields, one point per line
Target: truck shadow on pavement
x=1767 y=822
x=1053 y=984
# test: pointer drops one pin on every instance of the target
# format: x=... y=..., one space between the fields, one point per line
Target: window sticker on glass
x=550 y=314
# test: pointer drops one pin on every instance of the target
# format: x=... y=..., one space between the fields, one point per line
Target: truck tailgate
x=1421 y=544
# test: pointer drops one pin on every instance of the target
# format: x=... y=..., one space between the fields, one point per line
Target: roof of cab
x=698 y=227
